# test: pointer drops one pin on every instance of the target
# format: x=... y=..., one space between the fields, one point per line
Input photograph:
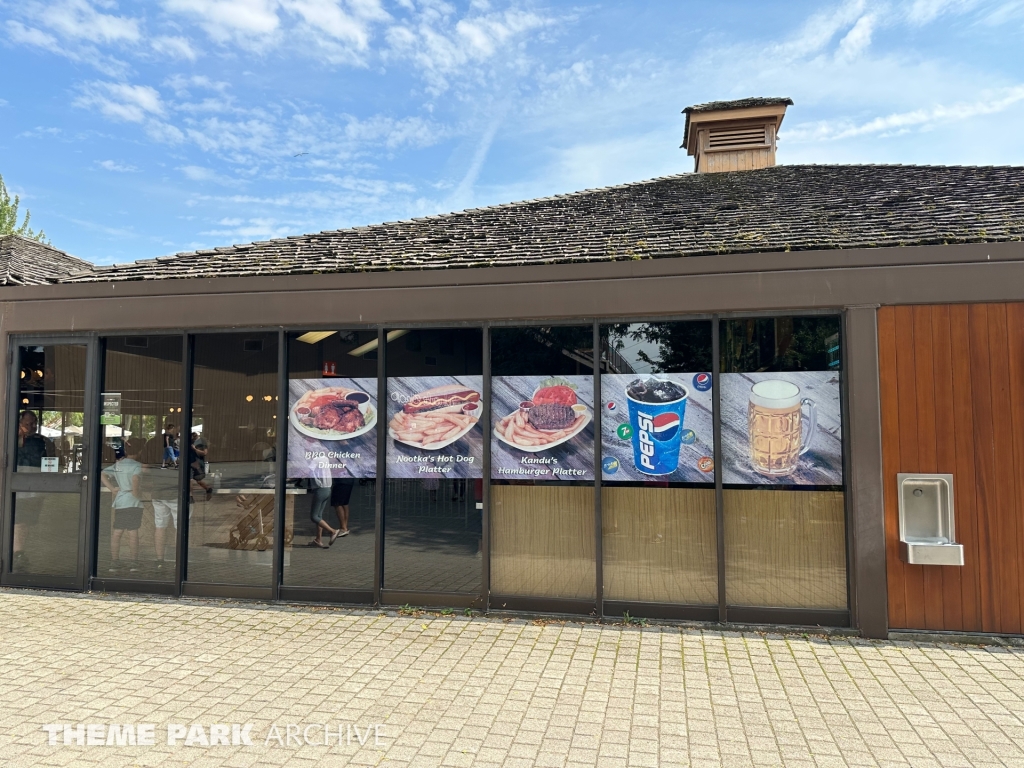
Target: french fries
x=429 y=430
x=517 y=430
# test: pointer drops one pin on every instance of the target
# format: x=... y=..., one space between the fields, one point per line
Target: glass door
x=47 y=464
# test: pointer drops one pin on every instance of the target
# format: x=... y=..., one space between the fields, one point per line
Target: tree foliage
x=9 y=217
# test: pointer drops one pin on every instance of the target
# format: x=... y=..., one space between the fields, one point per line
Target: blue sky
x=133 y=130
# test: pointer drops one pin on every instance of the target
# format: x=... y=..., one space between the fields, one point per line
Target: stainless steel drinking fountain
x=927 y=534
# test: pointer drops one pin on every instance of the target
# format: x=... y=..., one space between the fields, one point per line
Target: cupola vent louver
x=734 y=135
x=755 y=136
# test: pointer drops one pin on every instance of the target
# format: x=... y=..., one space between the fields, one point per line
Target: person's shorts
x=165 y=511
x=128 y=518
x=341 y=491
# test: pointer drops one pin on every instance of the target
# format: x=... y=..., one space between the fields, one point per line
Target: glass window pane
x=51 y=404
x=657 y=437
x=432 y=500
x=542 y=462
x=230 y=456
x=332 y=459
x=46 y=533
x=782 y=445
x=140 y=417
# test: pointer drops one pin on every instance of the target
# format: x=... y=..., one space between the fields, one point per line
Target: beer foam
x=775 y=393
x=775 y=389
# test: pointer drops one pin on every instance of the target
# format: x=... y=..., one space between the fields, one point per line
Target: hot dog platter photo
x=433 y=427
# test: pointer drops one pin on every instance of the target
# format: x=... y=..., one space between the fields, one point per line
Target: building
x=687 y=398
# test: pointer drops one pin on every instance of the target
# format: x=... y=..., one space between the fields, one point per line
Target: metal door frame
x=87 y=485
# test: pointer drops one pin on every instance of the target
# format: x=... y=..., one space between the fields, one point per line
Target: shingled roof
x=795 y=207
x=28 y=262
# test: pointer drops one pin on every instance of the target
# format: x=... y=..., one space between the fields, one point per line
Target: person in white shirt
x=123 y=479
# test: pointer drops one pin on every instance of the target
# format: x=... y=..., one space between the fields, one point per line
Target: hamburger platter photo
x=433 y=426
x=543 y=427
x=332 y=425
x=551 y=416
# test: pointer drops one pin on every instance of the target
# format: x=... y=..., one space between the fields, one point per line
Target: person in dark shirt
x=170 y=438
x=197 y=451
x=32 y=446
x=32 y=449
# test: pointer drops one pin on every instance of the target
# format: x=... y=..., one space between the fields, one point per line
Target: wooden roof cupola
x=733 y=135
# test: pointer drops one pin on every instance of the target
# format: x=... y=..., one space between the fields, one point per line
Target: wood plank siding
x=952 y=379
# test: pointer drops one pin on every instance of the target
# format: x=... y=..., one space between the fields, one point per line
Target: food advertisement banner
x=542 y=428
x=434 y=427
x=331 y=428
x=782 y=428
x=657 y=428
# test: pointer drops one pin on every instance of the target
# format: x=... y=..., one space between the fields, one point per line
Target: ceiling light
x=372 y=345
x=312 y=337
x=248 y=398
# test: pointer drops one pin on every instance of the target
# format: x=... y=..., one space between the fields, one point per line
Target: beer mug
x=780 y=432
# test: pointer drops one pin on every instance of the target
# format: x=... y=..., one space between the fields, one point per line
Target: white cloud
x=199 y=173
x=857 y=39
x=224 y=20
x=440 y=48
x=181 y=84
x=72 y=37
x=239 y=230
x=19 y=33
x=78 y=19
x=174 y=47
x=113 y=165
x=122 y=101
x=904 y=121
x=393 y=133
x=815 y=34
x=349 y=24
x=926 y=11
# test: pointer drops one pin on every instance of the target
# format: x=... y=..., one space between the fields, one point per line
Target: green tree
x=9 y=217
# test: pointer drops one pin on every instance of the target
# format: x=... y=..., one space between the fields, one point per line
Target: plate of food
x=551 y=417
x=436 y=417
x=333 y=413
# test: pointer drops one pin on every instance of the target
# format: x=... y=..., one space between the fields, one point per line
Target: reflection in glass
x=46 y=533
x=658 y=521
x=51 y=396
x=542 y=530
x=48 y=439
x=432 y=518
x=230 y=456
x=141 y=423
x=782 y=445
x=332 y=459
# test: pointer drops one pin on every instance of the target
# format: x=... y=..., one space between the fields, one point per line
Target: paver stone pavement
x=450 y=690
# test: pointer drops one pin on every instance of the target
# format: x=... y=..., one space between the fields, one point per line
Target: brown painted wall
x=952 y=386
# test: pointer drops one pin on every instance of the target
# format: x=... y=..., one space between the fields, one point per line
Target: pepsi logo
x=666 y=425
x=610 y=406
x=702 y=382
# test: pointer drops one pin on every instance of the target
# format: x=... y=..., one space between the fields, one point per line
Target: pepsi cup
x=657 y=423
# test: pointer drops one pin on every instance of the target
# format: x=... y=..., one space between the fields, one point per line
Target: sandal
x=334 y=536
x=315 y=543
